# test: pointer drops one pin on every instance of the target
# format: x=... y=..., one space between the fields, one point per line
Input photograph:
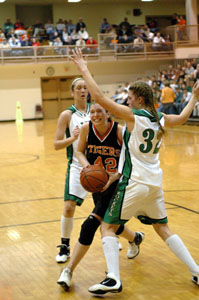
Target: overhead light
x=74 y=1
x=146 y=0
x=1 y=1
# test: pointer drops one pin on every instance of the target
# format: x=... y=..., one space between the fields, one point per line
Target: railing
x=107 y=46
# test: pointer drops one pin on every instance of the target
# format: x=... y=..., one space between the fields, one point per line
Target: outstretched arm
x=174 y=120
x=121 y=111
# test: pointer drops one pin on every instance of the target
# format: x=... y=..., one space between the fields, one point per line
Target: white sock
x=111 y=253
x=178 y=248
x=66 y=227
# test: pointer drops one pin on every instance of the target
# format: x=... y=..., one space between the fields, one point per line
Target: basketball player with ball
x=99 y=144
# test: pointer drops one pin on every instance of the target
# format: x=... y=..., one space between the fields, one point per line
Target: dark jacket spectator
x=80 y=24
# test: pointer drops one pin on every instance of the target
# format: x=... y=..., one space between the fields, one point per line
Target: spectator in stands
x=11 y=33
x=8 y=25
x=70 y=41
x=54 y=36
x=189 y=68
x=19 y=27
x=83 y=33
x=74 y=36
x=81 y=42
x=124 y=31
x=138 y=44
x=26 y=42
x=14 y=42
x=4 y=45
x=57 y=43
x=153 y=25
x=35 y=42
x=126 y=44
x=186 y=95
x=80 y=24
x=104 y=26
x=181 y=28
x=60 y=26
x=121 y=96
x=167 y=99
x=2 y=35
x=158 y=42
x=65 y=36
x=125 y=23
x=149 y=35
x=38 y=28
x=71 y=27
x=167 y=46
x=93 y=43
x=178 y=100
x=174 y=19
x=49 y=28
x=148 y=80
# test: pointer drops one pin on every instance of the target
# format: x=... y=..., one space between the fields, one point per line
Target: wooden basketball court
x=31 y=203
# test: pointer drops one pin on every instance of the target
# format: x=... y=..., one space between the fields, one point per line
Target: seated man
x=138 y=44
x=158 y=42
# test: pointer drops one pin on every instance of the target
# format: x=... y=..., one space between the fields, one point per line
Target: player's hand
x=82 y=170
x=78 y=59
x=112 y=178
x=195 y=90
x=76 y=132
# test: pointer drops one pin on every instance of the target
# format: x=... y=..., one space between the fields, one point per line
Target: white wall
x=7 y=11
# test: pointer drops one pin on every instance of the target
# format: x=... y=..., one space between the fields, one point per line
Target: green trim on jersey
x=145 y=113
x=69 y=149
x=74 y=109
x=149 y=221
x=68 y=196
x=112 y=215
x=127 y=167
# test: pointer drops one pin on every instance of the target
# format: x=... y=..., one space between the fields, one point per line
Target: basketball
x=93 y=178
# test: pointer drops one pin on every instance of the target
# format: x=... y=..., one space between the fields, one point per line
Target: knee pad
x=88 y=230
x=120 y=230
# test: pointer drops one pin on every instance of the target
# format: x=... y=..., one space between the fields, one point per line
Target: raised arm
x=174 y=120
x=121 y=111
x=82 y=144
x=60 y=141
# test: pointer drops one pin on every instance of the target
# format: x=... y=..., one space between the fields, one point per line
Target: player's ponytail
x=142 y=89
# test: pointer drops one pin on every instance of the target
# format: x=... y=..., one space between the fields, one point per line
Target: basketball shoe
x=109 y=285
x=64 y=253
x=195 y=278
x=134 y=247
x=65 y=278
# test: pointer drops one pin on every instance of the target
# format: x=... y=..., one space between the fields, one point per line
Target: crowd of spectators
x=131 y=38
x=128 y=37
x=63 y=33
x=172 y=88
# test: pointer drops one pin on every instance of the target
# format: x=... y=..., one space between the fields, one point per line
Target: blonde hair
x=142 y=89
x=74 y=82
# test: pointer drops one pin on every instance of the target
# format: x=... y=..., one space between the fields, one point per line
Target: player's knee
x=120 y=229
x=88 y=230
x=69 y=208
